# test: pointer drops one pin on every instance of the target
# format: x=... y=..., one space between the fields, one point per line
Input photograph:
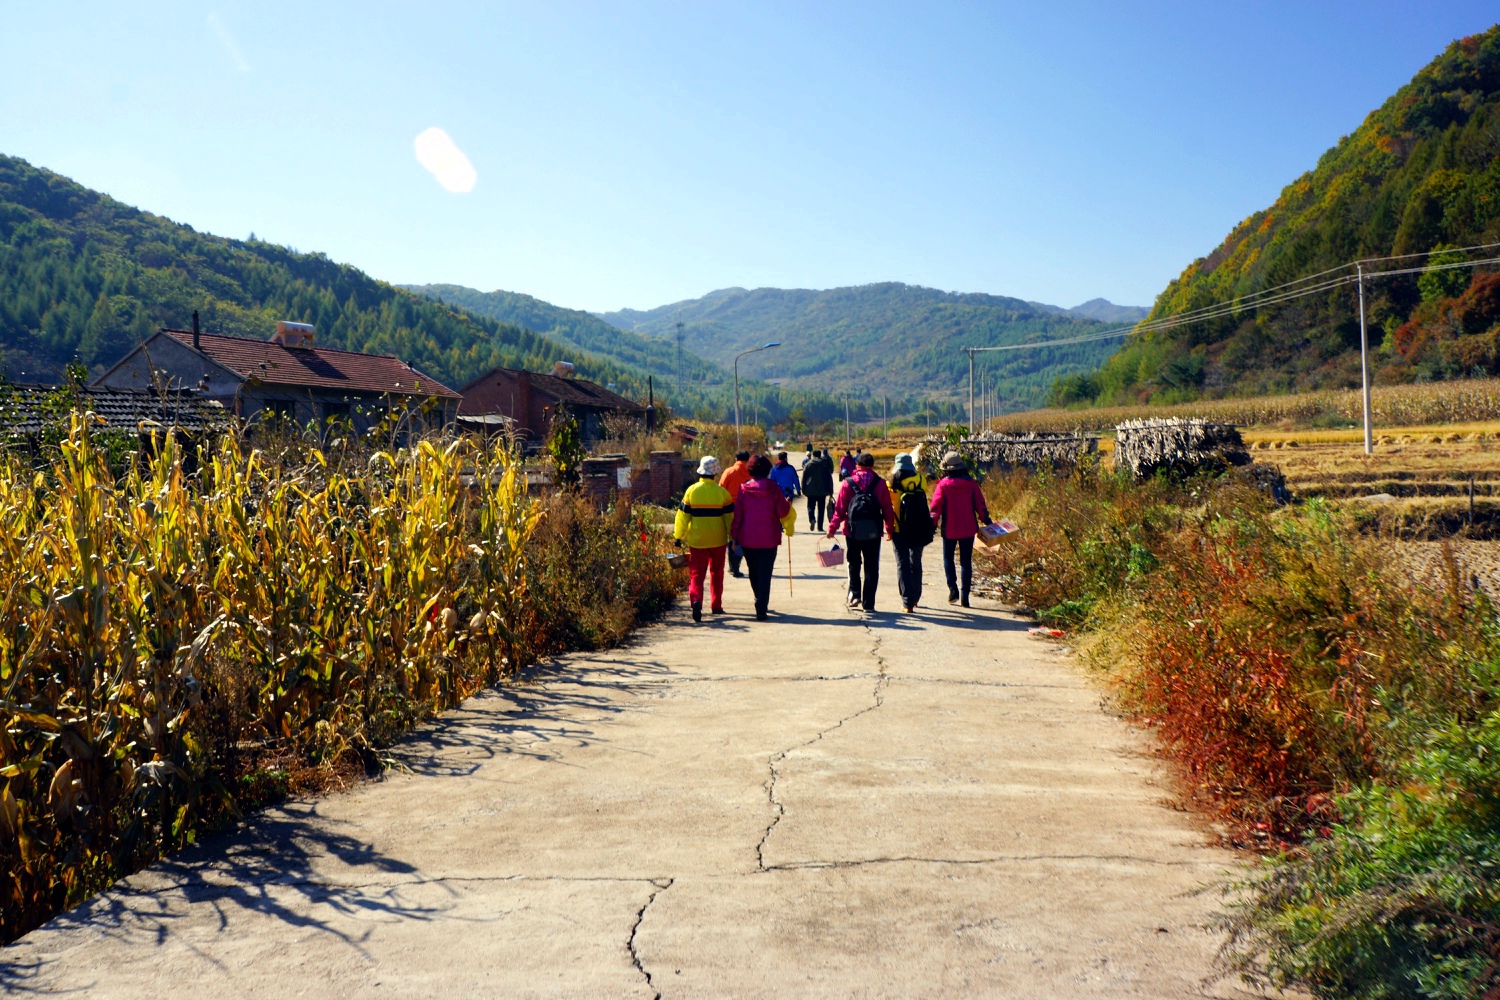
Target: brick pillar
x=666 y=476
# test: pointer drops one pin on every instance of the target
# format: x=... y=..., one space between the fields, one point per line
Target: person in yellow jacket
x=703 y=523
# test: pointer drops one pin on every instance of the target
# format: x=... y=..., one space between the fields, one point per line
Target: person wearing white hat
x=703 y=522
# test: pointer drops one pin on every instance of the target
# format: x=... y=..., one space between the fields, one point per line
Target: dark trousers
x=817 y=510
x=965 y=547
x=735 y=554
x=760 y=563
x=864 y=556
x=908 y=571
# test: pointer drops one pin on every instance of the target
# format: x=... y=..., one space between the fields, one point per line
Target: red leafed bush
x=1259 y=650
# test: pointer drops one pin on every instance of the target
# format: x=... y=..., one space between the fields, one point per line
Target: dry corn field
x=166 y=638
x=1463 y=401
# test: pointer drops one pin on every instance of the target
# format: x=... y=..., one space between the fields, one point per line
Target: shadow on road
x=289 y=864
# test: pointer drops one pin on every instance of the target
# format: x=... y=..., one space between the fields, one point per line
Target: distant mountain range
x=885 y=338
x=1103 y=310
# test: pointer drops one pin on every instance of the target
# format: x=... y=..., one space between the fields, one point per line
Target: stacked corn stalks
x=1177 y=444
x=154 y=625
x=1029 y=451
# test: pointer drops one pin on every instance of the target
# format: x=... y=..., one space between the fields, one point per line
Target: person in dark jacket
x=862 y=510
x=914 y=529
x=958 y=507
x=783 y=475
x=817 y=486
x=762 y=514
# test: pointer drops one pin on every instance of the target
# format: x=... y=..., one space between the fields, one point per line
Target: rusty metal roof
x=316 y=367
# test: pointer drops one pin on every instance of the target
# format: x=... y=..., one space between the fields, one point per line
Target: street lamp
x=766 y=347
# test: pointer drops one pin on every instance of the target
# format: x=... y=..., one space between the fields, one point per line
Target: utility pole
x=927 y=415
x=1364 y=362
x=846 y=422
x=971 y=390
x=885 y=417
x=681 y=374
x=737 y=357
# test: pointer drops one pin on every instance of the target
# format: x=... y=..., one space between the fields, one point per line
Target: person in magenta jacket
x=958 y=508
x=863 y=508
x=762 y=514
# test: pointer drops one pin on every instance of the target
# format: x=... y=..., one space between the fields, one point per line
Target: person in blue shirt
x=783 y=475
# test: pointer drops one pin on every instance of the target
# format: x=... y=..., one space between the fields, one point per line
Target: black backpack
x=866 y=519
x=913 y=519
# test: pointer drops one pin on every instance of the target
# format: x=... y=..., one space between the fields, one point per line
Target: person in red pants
x=703 y=523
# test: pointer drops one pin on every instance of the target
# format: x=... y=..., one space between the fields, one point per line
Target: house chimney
x=197 y=344
x=650 y=405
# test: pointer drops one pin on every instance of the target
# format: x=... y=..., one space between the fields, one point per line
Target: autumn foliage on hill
x=1422 y=173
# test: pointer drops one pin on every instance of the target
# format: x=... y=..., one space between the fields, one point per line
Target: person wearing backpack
x=914 y=530
x=864 y=511
x=958 y=505
x=817 y=486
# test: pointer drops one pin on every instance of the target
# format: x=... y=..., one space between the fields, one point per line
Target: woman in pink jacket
x=762 y=514
x=958 y=508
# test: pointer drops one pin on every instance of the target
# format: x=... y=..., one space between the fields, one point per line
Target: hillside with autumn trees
x=1420 y=176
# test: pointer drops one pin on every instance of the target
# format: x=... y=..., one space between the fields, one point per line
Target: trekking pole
x=789 y=565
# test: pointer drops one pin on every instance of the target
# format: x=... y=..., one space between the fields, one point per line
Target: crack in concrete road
x=662 y=885
x=778 y=809
x=998 y=859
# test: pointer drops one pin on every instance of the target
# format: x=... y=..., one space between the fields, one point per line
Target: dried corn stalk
x=1177 y=444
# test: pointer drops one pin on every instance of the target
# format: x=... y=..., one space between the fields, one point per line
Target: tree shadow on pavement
x=540 y=716
x=288 y=864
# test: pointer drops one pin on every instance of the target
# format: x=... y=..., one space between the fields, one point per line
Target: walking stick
x=789 y=565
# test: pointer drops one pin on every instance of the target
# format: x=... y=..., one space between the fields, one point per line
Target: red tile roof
x=572 y=391
x=319 y=367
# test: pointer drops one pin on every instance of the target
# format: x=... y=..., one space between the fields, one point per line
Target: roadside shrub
x=1401 y=898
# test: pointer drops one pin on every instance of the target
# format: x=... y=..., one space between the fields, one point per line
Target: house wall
x=184 y=368
x=513 y=395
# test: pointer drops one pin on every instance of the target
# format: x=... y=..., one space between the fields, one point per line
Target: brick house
x=286 y=376
x=531 y=399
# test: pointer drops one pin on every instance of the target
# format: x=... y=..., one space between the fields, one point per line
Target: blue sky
x=633 y=155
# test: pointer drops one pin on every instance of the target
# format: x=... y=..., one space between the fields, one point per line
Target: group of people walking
x=741 y=513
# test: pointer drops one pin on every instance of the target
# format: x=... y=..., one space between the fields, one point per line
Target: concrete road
x=823 y=805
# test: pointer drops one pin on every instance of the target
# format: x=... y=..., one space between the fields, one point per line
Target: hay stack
x=1179 y=445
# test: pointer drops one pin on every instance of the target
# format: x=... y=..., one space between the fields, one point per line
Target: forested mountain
x=83 y=276
x=579 y=329
x=1103 y=310
x=1421 y=174
x=879 y=338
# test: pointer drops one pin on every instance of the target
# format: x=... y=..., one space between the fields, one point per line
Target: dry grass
x=1444 y=403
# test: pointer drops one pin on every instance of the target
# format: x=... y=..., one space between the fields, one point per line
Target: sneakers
x=697 y=611
x=716 y=611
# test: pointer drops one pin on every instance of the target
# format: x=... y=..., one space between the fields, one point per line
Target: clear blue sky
x=636 y=154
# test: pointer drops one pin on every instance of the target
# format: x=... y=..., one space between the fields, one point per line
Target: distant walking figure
x=783 y=475
x=817 y=486
x=762 y=514
x=958 y=505
x=703 y=522
x=863 y=509
x=734 y=477
x=846 y=465
x=914 y=528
